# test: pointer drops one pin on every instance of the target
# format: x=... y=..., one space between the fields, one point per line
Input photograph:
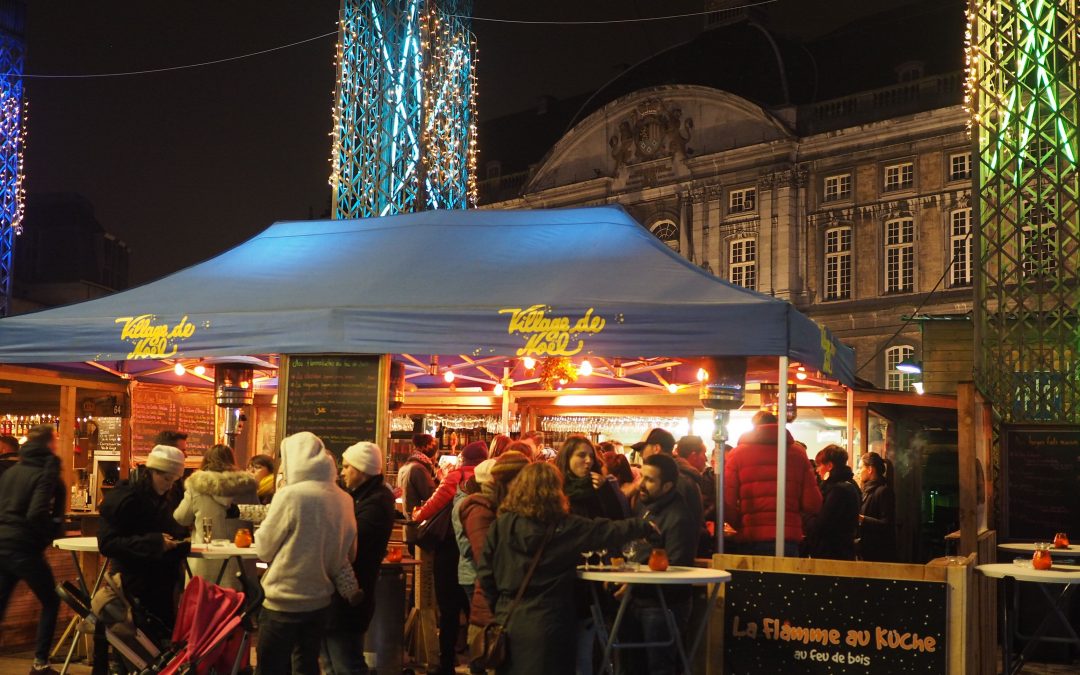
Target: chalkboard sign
x=109 y=438
x=339 y=398
x=1040 y=484
x=156 y=409
x=801 y=623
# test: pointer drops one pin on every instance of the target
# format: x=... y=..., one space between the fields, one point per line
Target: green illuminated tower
x=1022 y=88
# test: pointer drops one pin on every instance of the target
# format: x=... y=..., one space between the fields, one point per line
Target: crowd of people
x=483 y=522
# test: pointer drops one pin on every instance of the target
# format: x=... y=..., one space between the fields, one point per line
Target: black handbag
x=489 y=647
x=432 y=532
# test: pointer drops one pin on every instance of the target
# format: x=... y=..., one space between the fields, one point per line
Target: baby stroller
x=212 y=633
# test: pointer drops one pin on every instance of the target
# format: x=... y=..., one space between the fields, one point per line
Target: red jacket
x=444 y=494
x=750 y=487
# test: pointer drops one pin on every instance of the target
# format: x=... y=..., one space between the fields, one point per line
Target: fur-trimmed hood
x=230 y=484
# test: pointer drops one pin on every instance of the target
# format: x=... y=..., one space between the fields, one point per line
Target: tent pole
x=720 y=419
x=781 y=455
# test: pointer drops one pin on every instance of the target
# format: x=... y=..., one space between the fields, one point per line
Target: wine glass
x=587 y=555
x=600 y=553
x=630 y=551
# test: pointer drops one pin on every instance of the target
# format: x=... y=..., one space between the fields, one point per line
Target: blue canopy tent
x=546 y=282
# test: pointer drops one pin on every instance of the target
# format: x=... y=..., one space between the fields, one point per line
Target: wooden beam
x=55 y=378
x=966 y=451
x=66 y=432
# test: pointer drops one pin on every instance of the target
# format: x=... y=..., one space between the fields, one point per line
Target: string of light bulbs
x=334 y=33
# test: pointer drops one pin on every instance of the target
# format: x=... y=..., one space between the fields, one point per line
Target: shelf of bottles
x=19 y=425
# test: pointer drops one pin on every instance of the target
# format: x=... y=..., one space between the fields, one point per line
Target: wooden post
x=66 y=434
x=965 y=412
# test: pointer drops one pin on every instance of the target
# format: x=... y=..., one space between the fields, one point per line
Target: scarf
x=577 y=487
x=266 y=485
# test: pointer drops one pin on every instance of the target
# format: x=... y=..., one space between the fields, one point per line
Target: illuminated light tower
x=1022 y=91
x=12 y=52
x=404 y=135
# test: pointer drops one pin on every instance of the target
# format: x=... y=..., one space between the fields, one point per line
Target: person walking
x=449 y=596
x=32 y=503
x=877 y=515
x=535 y=520
x=373 y=508
x=750 y=479
x=145 y=545
x=308 y=536
x=833 y=530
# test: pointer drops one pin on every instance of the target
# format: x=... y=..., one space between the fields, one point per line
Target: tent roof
x=437 y=282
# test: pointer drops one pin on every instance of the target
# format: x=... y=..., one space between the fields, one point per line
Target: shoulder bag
x=489 y=647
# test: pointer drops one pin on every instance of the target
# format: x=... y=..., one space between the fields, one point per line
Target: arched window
x=895 y=378
x=666 y=231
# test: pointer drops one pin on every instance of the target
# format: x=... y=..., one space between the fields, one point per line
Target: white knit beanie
x=483 y=471
x=364 y=457
x=167 y=459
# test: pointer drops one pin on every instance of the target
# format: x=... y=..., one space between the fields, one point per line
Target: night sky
x=185 y=164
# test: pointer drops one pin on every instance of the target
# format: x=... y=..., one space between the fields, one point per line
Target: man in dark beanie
x=32 y=504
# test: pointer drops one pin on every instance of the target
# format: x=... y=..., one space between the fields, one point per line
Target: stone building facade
x=856 y=209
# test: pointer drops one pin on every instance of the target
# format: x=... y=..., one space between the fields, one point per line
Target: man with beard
x=416 y=480
x=660 y=502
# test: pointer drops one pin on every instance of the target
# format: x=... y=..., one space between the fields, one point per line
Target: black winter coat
x=832 y=531
x=679 y=533
x=133 y=519
x=373 y=506
x=542 y=634
x=877 y=533
x=32 y=501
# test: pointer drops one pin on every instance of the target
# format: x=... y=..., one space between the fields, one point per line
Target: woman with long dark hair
x=877 y=517
x=591 y=494
x=535 y=514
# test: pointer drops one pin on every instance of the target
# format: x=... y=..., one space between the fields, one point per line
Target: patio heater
x=723 y=388
x=234 y=388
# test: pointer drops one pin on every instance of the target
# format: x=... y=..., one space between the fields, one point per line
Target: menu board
x=802 y=623
x=336 y=397
x=1040 y=481
x=156 y=409
x=109 y=438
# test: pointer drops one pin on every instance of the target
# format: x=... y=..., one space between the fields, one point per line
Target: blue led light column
x=12 y=51
x=404 y=108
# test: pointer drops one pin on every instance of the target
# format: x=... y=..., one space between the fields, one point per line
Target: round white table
x=672 y=576
x=1071 y=551
x=75 y=546
x=224 y=553
x=1065 y=576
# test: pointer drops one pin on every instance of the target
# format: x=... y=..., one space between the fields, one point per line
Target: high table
x=75 y=546
x=1067 y=576
x=1027 y=549
x=224 y=553
x=673 y=576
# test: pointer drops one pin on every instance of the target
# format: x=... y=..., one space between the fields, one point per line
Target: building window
x=742 y=201
x=960 y=166
x=838 y=263
x=668 y=232
x=900 y=255
x=742 y=263
x=838 y=187
x=899 y=177
x=960 y=247
x=1038 y=250
x=894 y=379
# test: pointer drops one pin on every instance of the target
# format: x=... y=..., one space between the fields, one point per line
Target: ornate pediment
x=653 y=130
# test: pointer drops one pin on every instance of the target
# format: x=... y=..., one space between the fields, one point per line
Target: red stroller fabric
x=207 y=623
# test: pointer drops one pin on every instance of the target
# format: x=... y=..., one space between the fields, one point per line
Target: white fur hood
x=230 y=484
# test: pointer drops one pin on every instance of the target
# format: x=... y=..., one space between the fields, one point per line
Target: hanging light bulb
x=673 y=388
x=499 y=389
x=585 y=369
x=199 y=370
x=449 y=376
x=529 y=362
x=702 y=374
x=179 y=368
x=800 y=374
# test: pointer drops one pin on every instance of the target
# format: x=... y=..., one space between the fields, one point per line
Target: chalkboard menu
x=1040 y=484
x=109 y=438
x=156 y=409
x=802 y=623
x=339 y=398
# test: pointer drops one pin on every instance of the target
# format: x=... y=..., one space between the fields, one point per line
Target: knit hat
x=474 y=453
x=167 y=459
x=364 y=457
x=508 y=466
x=483 y=471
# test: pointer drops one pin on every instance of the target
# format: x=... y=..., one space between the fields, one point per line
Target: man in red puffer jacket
x=750 y=490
